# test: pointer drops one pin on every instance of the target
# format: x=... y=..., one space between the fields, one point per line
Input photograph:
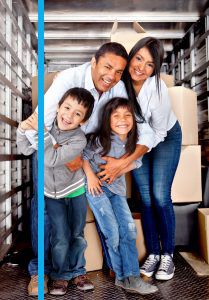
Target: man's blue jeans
x=68 y=219
x=33 y=264
x=154 y=180
x=116 y=223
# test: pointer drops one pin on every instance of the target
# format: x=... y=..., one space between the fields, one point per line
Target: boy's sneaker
x=137 y=285
x=83 y=283
x=59 y=287
x=150 y=265
x=33 y=285
x=119 y=283
x=166 y=268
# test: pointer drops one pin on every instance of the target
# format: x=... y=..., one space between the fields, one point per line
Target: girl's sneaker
x=150 y=265
x=166 y=268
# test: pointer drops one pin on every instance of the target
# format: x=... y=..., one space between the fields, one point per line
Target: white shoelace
x=149 y=261
x=165 y=262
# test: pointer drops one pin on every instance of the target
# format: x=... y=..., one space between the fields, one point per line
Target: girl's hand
x=94 y=185
x=111 y=170
x=30 y=123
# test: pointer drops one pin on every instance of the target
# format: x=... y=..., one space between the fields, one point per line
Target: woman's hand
x=94 y=185
x=30 y=123
x=110 y=170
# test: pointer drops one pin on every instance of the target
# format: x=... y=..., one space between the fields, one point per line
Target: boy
x=64 y=190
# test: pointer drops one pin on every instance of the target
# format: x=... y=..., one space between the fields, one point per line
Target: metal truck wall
x=18 y=63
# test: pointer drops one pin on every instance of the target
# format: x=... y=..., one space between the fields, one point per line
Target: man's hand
x=75 y=164
x=30 y=123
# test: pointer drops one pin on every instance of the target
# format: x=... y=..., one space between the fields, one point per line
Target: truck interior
x=73 y=31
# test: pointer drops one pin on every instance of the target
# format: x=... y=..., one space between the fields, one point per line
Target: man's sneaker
x=83 y=283
x=59 y=287
x=150 y=265
x=33 y=285
x=166 y=268
x=138 y=285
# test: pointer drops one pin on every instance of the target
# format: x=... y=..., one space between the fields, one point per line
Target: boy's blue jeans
x=116 y=223
x=154 y=180
x=68 y=219
x=33 y=264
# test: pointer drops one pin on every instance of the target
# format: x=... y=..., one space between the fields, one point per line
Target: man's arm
x=118 y=166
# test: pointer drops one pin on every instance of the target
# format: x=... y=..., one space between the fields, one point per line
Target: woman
x=149 y=96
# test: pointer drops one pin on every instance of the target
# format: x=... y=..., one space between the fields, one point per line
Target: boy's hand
x=75 y=164
x=30 y=123
x=94 y=185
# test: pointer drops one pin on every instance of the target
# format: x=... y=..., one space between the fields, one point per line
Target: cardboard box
x=89 y=215
x=187 y=181
x=128 y=185
x=168 y=79
x=93 y=253
x=128 y=37
x=184 y=104
x=48 y=79
x=140 y=243
x=203 y=222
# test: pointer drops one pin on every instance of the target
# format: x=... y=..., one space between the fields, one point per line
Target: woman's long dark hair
x=156 y=50
x=103 y=135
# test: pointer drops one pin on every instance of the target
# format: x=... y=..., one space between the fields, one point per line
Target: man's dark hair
x=111 y=47
x=83 y=97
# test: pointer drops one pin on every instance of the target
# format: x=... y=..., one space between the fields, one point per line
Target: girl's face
x=141 y=65
x=70 y=114
x=121 y=122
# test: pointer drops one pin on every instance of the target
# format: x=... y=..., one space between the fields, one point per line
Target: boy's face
x=70 y=114
x=107 y=71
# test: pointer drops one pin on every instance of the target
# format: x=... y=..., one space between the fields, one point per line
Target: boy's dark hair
x=103 y=135
x=156 y=50
x=83 y=97
x=111 y=47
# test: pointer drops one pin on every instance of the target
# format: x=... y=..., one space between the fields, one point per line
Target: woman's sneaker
x=134 y=284
x=150 y=265
x=166 y=268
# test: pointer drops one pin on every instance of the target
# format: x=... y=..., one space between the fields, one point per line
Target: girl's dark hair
x=83 y=97
x=103 y=135
x=156 y=50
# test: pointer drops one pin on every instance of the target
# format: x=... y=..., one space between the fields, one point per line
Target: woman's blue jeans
x=116 y=223
x=68 y=219
x=154 y=180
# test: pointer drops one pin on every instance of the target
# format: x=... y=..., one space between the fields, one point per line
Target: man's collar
x=89 y=85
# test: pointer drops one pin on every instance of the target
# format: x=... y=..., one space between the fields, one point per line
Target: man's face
x=107 y=71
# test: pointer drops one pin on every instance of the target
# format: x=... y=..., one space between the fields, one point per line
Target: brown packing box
x=140 y=243
x=128 y=185
x=93 y=253
x=187 y=181
x=89 y=215
x=168 y=79
x=48 y=79
x=184 y=104
x=127 y=36
x=203 y=224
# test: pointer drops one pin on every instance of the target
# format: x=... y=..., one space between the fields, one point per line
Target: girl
x=117 y=137
x=149 y=96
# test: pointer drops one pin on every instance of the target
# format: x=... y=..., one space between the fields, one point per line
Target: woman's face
x=141 y=65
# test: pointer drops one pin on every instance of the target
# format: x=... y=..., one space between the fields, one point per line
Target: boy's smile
x=70 y=114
